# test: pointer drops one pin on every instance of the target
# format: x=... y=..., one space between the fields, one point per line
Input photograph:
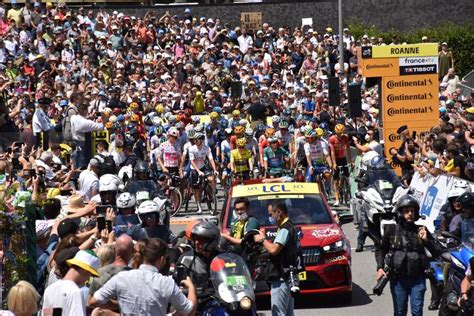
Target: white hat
x=86 y=260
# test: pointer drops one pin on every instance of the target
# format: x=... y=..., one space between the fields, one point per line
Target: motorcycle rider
x=141 y=180
x=126 y=218
x=405 y=242
x=452 y=207
x=152 y=216
x=466 y=200
x=109 y=185
x=205 y=237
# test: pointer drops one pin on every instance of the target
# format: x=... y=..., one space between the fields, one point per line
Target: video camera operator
x=405 y=244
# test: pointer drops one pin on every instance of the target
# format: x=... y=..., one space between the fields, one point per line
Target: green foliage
x=460 y=39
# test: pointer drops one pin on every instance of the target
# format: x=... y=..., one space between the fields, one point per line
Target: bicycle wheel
x=188 y=192
x=176 y=200
x=211 y=200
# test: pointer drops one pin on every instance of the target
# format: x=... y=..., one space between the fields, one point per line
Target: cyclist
x=317 y=156
x=185 y=166
x=283 y=135
x=168 y=154
x=275 y=158
x=235 y=119
x=251 y=144
x=238 y=133
x=241 y=160
x=339 y=145
x=263 y=142
x=198 y=154
x=225 y=154
x=211 y=140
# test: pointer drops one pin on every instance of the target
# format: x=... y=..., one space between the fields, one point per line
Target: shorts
x=196 y=180
x=318 y=169
x=345 y=168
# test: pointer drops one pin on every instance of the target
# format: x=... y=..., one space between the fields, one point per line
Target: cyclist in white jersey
x=198 y=154
x=317 y=156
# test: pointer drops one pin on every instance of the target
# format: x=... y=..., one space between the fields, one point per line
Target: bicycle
x=208 y=195
x=173 y=193
x=344 y=186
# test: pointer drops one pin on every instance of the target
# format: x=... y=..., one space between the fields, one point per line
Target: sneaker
x=336 y=204
x=359 y=248
x=199 y=212
x=434 y=305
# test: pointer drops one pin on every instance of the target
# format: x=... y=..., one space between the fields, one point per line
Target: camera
x=382 y=282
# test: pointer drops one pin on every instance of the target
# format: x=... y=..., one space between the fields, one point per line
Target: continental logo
x=402 y=110
x=409 y=83
x=378 y=66
x=393 y=137
x=409 y=97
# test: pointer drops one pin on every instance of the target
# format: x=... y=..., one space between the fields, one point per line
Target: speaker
x=355 y=105
x=236 y=89
x=334 y=95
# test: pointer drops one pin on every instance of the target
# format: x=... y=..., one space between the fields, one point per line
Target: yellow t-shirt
x=241 y=159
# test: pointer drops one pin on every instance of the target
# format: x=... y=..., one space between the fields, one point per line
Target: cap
x=86 y=260
x=68 y=226
x=401 y=129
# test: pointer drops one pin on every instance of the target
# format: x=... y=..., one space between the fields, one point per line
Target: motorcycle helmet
x=141 y=168
x=458 y=189
x=125 y=173
x=275 y=119
x=467 y=203
x=207 y=233
x=109 y=182
x=126 y=200
x=407 y=201
x=147 y=212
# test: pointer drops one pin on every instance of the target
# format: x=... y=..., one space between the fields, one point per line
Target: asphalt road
x=363 y=278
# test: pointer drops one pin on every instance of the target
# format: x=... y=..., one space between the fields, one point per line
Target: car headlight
x=334 y=247
x=246 y=303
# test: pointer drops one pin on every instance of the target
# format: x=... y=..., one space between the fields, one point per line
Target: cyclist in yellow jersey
x=241 y=160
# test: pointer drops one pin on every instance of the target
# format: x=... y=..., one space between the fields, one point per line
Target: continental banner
x=396 y=51
x=410 y=98
x=379 y=67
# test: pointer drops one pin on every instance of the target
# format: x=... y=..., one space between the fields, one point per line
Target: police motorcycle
x=223 y=281
x=377 y=199
x=458 y=260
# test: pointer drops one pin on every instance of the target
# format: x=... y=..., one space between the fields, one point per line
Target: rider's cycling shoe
x=434 y=305
x=199 y=212
x=336 y=204
x=359 y=248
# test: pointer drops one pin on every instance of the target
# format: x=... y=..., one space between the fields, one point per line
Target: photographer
x=282 y=259
x=405 y=243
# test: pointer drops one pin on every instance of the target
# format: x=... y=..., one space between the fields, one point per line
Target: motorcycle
x=377 y=200
x=458 y=260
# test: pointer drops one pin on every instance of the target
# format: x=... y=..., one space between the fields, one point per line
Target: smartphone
x=181 y=274
x=58 y=311
x=101 y=225
x=18 y=146
x=413 y=135
x=66 y=192
x=29 y=173
x=102 y=209
x=15 y=163
x=109 y=225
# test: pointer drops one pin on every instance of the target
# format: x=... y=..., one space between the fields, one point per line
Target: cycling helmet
x=249 y=132
x=141 y=167
x=224 y=123
x=243 y=122
x=173 y=131
x=199 y=128
x=200 y=136
x=235 y=113
x=158 y=130
x=159 y=108
x=191 y=134
x=217 y=109
x=275 y=119
x=239 y=129
x=310 y=133
x=214 y=115
x=207 y=233
x=339 y=129
x=195 y=119
x=324 y=126
x=407 y=201
x=283 y=124
x=272 y=140
x=120 y=118
x=126 y=200
x=134 y=105
x=241 y=142
x=221 y=135
x=228 y=131
x=135 y=118
x=269 y=132
x=319 y=132
x=112 y=119
x=172 y=119
x=209 y=129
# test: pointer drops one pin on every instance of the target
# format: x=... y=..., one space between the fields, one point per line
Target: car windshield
x=302 y=209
